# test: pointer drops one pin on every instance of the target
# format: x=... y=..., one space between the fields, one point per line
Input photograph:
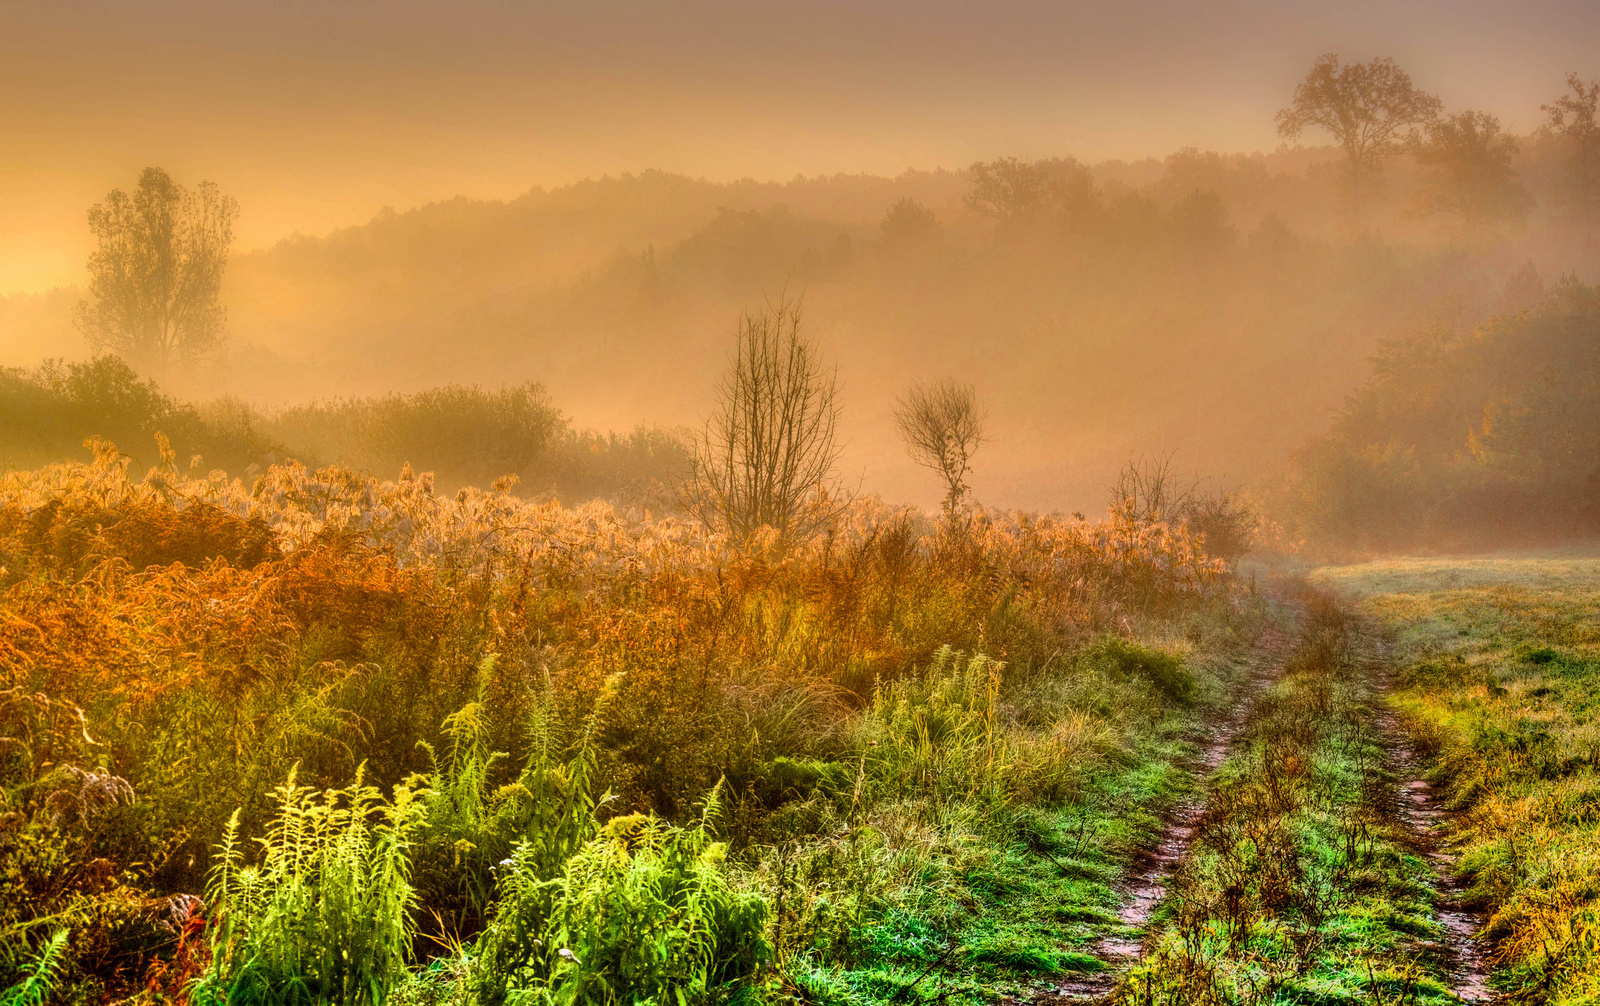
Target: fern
x=471 y=827
x=40 y=979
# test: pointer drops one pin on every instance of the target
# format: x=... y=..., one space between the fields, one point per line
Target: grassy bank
x=1500 y=658
x=325 y=739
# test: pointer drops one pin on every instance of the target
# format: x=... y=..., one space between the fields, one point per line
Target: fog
x=315 y=116
x=1173 y=294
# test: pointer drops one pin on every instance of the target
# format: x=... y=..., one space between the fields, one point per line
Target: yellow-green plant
x=40 y=977
x=935 y=735
x=325 y=917
x=643 y=913
x=470 y=826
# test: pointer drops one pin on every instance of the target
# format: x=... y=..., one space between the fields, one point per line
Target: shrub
x=467 y=435
x=1463 y=440
x=642 y=913
x=471 y=828
x=47 y=413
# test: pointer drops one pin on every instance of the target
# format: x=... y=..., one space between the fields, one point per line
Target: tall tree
x=1466 y=161
x=1370 y=108
x=1574 y=117
x=908 y=222
x=766 y=457
x=156 y=271
x=942 y=426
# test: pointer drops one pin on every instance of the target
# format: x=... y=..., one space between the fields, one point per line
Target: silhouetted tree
x=766 y=457
x=1368 y=107
x=1574 y=116
x=1467 y=164
x=942 y=425
x=1201 y=226
x=156 y=271
x=1009 y=190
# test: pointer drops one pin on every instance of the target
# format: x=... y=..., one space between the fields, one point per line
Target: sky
x=317 y=113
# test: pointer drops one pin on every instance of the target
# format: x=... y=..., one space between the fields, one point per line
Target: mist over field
x=1204 y=292
x=1214 y=305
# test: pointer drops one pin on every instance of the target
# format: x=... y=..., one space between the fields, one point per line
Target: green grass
x=1501 y=681
x=964 y=900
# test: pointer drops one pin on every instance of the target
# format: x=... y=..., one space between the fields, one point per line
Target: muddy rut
x=1421 y=809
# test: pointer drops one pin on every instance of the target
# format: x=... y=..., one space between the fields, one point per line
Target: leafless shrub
x=1150 y=491
x=766 y=457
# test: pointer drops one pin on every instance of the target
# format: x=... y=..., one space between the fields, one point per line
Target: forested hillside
x=1466 y=439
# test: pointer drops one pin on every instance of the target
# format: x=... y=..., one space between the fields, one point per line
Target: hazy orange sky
x=316 y=114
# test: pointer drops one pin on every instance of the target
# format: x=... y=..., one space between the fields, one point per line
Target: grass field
x=1498 y=663
x=339 y=741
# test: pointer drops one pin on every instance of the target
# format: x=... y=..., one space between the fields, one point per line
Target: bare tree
x=1368 y=107
x=1574 y=116
x=1468 y=173
x=1149 y=491
x=766 y=457
x=942 y=425
x=156 y=271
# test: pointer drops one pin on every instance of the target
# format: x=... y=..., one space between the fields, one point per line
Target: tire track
x=1144 y=888
x=1422 y=810
x=1414 y=806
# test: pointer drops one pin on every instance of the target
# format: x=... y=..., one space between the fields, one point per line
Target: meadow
x=325 y=738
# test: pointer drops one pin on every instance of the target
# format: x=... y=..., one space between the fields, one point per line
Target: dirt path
x=1418 y=807
x=1146 y=885
x=1422 y=810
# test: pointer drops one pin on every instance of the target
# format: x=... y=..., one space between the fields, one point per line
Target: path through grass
x=1498 y=660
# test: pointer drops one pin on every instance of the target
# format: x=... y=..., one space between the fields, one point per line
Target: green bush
x=643 y=913
x=466 y=435
x=470 y=826
x=48 y=412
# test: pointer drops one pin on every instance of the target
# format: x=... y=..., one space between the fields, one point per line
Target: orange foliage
x=126 y=596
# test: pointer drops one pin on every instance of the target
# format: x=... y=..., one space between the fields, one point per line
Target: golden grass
x=1574 y=566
